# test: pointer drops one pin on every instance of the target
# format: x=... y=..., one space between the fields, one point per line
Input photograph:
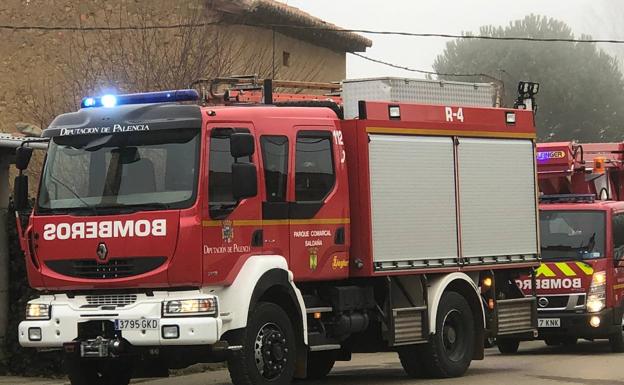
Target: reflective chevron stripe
x=587 y=269
x=568 y=269
x=544 y=270
x=565 y=269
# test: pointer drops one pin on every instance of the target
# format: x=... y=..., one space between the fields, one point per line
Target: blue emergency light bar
x=140 y=98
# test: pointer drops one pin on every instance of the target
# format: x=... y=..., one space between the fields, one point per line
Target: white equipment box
x=424 y=91
x=414 y=201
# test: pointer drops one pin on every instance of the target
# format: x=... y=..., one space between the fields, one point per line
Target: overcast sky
x=444 y=16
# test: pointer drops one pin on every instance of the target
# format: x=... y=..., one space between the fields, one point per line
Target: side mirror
x=22 y=157
x=241 y=144
x=20 y=193
x=244 y=180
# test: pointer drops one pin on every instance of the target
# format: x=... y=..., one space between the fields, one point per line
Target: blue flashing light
x=89 y=102
x=141 y=98
x=108 y=101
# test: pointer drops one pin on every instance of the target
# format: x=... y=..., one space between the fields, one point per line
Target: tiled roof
x=259 y=12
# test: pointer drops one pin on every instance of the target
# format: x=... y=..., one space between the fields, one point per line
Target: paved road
x=535 y=364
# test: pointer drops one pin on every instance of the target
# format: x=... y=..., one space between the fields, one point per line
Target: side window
x=314 y=166
x=618 y=236
x=275 y=160
x=220 y=196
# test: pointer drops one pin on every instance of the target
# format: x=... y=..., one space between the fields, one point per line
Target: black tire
x=508 y=345
x=320 y=364
x=450 y=350
x=268 y=336
x=412 y=360
x=98 y=372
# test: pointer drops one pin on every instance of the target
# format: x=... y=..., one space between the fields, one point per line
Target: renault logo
x=101 y=251
x=542 y=301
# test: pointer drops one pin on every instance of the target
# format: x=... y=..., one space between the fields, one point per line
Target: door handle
x=339 y=238
x=257 y=238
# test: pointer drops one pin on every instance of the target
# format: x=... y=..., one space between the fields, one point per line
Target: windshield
x=147 y=170
x=572 y=234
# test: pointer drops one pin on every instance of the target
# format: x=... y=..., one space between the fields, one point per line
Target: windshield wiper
x=559 y=247
x=75 y=194
x=137 y=206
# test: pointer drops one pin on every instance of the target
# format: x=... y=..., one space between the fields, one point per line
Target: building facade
x=93 y=46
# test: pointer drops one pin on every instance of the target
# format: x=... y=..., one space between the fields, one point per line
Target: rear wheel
x=451 y=348
x=268 y=353
x=320 y=364
x=98 y=372
x=508 y=345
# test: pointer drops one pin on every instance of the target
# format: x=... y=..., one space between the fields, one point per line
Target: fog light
x=34 y=334
x=170 y=332
x=594 y=321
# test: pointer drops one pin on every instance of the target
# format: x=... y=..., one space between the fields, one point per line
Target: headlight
x=599 y=278
x=595 y=304
x=596 y=300
x=38 y=311
x=190 y=307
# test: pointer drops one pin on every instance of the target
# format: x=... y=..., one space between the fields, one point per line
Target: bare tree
x=148 y=58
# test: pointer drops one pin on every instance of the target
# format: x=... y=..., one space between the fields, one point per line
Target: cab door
x=617 y=230
x=275 y=154
x=232 y=228
x=319 y=206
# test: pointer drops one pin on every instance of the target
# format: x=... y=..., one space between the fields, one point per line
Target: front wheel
x=616 y=340
x=268 y=353
x=98 y=372
x=450 y=350
x=508 y=345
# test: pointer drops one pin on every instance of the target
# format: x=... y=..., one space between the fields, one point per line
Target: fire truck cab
x=278 y=238
x=580 y=283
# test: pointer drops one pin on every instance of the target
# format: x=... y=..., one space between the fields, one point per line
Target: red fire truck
x=278 y=237
x=580 y=284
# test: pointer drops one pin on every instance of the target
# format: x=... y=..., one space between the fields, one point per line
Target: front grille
x=112 y=299
x=114 y=268
x=554 y=301
x=515 y=315
x=566 y=302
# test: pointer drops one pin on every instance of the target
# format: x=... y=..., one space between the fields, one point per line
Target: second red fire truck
x=279 y=238
x=580 y=283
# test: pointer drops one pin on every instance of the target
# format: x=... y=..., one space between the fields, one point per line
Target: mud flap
x=479 y=345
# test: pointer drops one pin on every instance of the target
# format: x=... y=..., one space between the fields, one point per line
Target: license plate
x=136 y=324
x=548 y=322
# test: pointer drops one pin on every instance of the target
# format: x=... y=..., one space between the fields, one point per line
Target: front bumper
x=577 y=324
x=68 y=313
